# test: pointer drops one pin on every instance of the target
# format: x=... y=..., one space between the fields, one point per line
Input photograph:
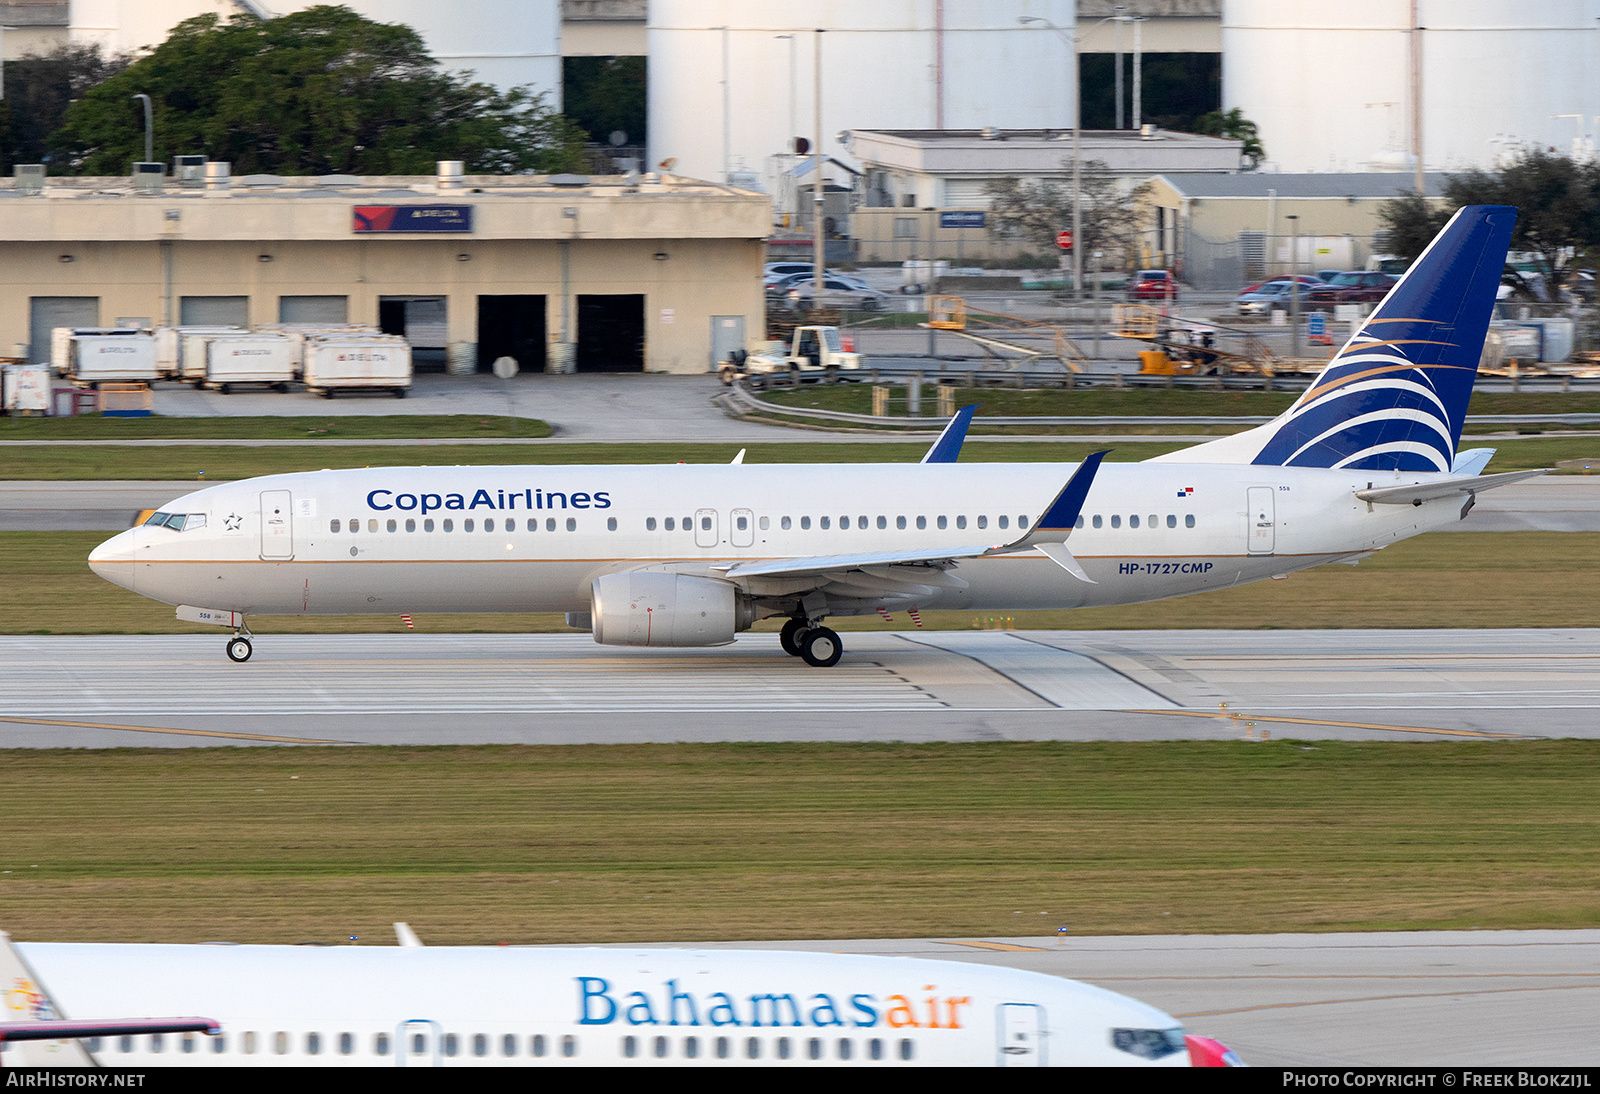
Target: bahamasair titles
x=691 y=555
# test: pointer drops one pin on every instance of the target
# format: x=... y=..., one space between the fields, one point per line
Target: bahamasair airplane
x=477 y=1006
x=682 y=555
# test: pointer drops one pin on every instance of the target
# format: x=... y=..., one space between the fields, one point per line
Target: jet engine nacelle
x=651 y=608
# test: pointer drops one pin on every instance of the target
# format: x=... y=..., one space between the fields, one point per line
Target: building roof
x=985 y=153
x=1256 y=184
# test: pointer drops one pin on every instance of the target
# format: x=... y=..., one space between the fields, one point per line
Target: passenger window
x=333 y=525
x=1188 y=520
x=480 y=1044
x=805 y=523
x=1155 y=521
x=467 y=525
x=411 y=524
x=451 y=1044
x=280 y=1042
x=157 y=1042
x=670 y=524
x=488 y=524
x=536 y=1044
x=372 y=524
x=355 y=525
x=380 y=1044
x=900 y=523
x=983 y=522
x=784 y=523
x=1133 y=521
x=742 y=523
x=572 y=524
x=1022 y=522
x=313 y=1044
x=427 y=525
x=1097 y=520
x=508 y=1045
x=391 y=524
x=765 y=524
x=907 y=1049
x=550 y=524
x=922 y=523
x=1078 y=523
x=449 y=525
x=705 y=524
x=611 y=524
x=1005 y=522
x=752 y=1048
x=1172 y=521
x=569 y=1045
x=649 y=524
x=861 y=522
x=1116 y=520
x=883 y=522
x=961 y=522
x=688 y=525
x=661 y=1046
x=347 y=1043
x=943 y=522
x=249 y=1042
x=823 y=524
x=844 y=523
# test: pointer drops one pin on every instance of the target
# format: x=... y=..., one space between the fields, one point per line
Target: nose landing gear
x=239 y=649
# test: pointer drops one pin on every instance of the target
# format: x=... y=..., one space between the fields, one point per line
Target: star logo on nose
x=232 y=521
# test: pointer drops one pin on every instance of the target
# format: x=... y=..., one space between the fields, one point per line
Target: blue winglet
x=948 y=446
x=1063 y=512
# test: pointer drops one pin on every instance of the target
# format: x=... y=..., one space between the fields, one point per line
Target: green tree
x=1410 y=222
x=320 y=91
x=604 y=95
x=39 y=88
x=1557 y=201
x=1037 y=209
x=1235 y=126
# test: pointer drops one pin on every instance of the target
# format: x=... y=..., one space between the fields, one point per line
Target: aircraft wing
x=1048 y=535
x=1418 y=492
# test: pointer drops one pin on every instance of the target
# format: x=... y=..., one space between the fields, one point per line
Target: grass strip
x=1444 y=579
x=526 y=844
x=93 y=427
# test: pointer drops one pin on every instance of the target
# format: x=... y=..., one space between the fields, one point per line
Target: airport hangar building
x=564 y=273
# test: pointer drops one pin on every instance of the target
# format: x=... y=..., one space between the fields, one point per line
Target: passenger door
x=277 y=526
x=1262 y=520
x=1020 y=1031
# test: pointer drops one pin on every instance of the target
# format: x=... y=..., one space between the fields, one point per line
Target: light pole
x=1072 y=39
x=149 y=128
x=1294 y=283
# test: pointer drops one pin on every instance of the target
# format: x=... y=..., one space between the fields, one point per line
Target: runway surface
x=1564 y=504
x=1422 y=998
x=110 y=691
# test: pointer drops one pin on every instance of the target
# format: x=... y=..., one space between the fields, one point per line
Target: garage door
x=314 y=309
x=45 y=313
x=215 y=311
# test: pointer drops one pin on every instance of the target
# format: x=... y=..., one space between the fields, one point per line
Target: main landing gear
x=814 y=644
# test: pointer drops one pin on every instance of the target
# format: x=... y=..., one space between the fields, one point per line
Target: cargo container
x=111 y=357
x=335 y=363
x=61 y=343
x=169 y=350
x=248 y=359
x=27 y=389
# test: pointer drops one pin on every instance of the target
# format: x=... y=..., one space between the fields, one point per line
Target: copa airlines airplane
x=479 y=1006
x=683 y=555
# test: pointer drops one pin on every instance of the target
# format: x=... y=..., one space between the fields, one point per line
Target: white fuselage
x=486 y=1006
x=533 y=538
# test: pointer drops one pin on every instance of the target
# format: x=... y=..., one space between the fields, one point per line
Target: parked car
x=1351 y=287
x=1153 y=285
x=1306 y=281
x=784 y=284
x=1265 y=299
x=837 y=290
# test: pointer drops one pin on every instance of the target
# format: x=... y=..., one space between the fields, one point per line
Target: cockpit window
x=1150 y=1044
x=178 y=522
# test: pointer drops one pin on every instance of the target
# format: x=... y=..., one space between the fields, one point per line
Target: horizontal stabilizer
x=1472 y=461
x=1418 y=492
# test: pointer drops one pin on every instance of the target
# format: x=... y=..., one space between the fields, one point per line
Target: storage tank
x=890 y=64
x=1330 y=84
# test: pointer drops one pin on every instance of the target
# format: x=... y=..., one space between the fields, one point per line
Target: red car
x=1153 y=285
x=1355 y=287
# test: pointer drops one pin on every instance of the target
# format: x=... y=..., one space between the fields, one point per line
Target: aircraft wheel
x=820 y=648
x=789 y=637
x=239 y=650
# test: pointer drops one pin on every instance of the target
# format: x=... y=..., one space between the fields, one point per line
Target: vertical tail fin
x=24 y=1000
x=1395 y=397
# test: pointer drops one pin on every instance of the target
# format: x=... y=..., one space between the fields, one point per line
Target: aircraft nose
x=113 y=559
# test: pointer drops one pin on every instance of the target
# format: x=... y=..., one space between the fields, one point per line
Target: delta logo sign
x=601 y=1005
x=411 y=218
